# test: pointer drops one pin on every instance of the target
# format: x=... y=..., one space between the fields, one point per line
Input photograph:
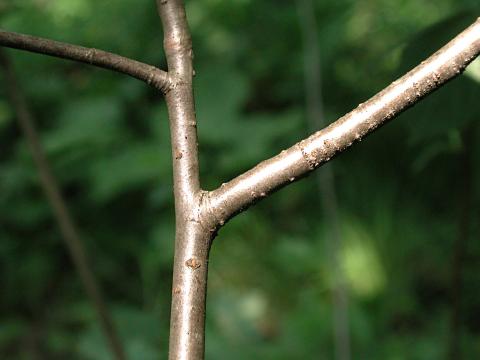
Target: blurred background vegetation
x=408 y=196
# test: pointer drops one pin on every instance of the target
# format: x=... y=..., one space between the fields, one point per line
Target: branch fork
x=199 y=214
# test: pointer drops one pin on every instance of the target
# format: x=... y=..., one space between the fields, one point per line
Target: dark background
x=400 y=192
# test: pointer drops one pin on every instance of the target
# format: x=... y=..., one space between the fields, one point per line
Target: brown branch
x=192 y=236
x=147 y=73
x=181 y=110
x=319 y=148
x=67 y=227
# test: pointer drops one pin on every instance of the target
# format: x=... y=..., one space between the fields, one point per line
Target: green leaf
x=134 y=167
x=85 y=125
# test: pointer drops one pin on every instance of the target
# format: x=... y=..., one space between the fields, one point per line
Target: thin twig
x=65 y=222
x=319 y=148
x=147 y=73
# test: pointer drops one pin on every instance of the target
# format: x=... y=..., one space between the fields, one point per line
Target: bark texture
x=192 y=237
x=150 y=74
x=199 y=214
x=309 y=154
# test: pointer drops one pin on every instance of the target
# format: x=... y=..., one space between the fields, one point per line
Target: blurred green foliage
x=270 y=284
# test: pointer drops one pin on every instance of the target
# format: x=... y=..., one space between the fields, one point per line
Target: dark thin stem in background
x=199 y=214
x=67 y=227
x=325 y=180
x=309 y=154
x=459 y=248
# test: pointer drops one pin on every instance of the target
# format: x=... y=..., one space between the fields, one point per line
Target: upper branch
x=180 y=102
x=316 y=150
x=147 y=73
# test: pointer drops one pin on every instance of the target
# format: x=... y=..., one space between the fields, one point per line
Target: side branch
x=147 y=73
x=316 y=150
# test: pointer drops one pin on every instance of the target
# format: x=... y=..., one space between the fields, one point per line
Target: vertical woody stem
x=192 y=239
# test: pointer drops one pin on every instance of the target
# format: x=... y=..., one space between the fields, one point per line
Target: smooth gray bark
x=192 y=236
